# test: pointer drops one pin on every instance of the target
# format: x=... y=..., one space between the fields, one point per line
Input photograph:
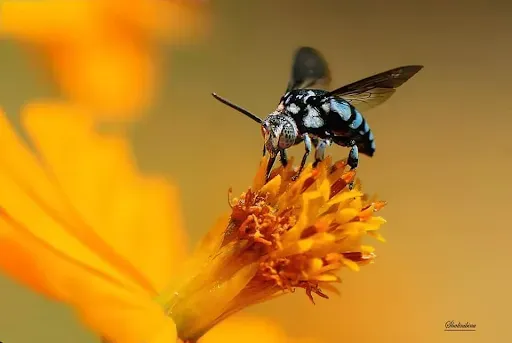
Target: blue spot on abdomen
x=358 y=120
x=341 y=108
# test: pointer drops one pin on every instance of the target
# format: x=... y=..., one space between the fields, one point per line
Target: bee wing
x=309 y=68
x=374 y=90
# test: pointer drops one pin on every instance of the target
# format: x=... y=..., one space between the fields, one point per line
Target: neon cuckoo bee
x=306 y=113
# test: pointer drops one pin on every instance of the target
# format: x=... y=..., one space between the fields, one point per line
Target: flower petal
x=103 y=304
x=99 y=178
x=114 y=76
x=77 y=228
x=245 y=328
x=46 y=20
x=28 y=201
x=102 y=53
x=18 y=263
x=272 y=187
x=213 y=303
x=259 y=178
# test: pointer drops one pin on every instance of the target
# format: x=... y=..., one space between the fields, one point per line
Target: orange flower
x=80 y=225
x=280 y=235
x=102 y=53
x=249 y=329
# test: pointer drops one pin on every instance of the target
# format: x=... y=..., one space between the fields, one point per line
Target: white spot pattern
x=313 y=119
x=293 y=108
x=309 y=94
x=326 y=107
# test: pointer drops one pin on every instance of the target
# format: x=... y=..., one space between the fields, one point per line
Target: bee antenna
x=238 y=108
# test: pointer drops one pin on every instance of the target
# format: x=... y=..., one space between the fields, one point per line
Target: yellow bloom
x=249 y=329
x=102 y=53
x=80 y=225
x=279 y=236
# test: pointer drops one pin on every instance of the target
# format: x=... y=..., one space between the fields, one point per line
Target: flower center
x=281 y=235
x=263 y=226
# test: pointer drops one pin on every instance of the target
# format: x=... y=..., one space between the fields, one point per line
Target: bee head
x=279 y=132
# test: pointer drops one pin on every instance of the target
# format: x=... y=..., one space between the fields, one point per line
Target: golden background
x=443 y=159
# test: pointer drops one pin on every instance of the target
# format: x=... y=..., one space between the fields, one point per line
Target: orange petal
x=174 y=20
x=145 y=226
x=44 y=21
x=33 y=209
x=305 y=340
x=122 y=316
x=48 y=246
x=16 y=262
x=115 y=77
x=245 y=328
x=138 y=217
x=112 y=311
x=259 y=178
x=101 y=52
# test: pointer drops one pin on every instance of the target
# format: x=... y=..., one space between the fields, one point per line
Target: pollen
x=304 y=256
x=281 y=235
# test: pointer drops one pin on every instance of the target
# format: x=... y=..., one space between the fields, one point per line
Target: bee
x=308 y=113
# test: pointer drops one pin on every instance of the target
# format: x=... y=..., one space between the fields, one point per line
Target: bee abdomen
x=348 y=122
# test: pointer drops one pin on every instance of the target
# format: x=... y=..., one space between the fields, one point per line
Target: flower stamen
x=282 y=234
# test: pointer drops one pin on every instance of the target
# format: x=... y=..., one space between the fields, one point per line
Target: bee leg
x=315 y=141
x=307 y=146
x=321 y=146
x=353 y=156
x=284 y=158
x=264 y=149
x=353 y=160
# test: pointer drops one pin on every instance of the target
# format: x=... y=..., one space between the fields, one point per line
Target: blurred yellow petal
x=248 y=328
x=245 y=328
x=86 y=165
x=102 y=53
x=173 y=20
x=38 y=211
x=278 y=238
x=102 y=302
x=116 y=76
x=84 y=227
x=304 y=340
x=17 y=262
x=46 y=20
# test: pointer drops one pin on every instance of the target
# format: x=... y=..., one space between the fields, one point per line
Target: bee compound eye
x=287 y=137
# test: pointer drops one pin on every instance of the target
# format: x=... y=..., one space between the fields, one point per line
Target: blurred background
x=443 y=159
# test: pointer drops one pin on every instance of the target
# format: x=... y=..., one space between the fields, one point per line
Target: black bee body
x=328 y=118
x=319 y=117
